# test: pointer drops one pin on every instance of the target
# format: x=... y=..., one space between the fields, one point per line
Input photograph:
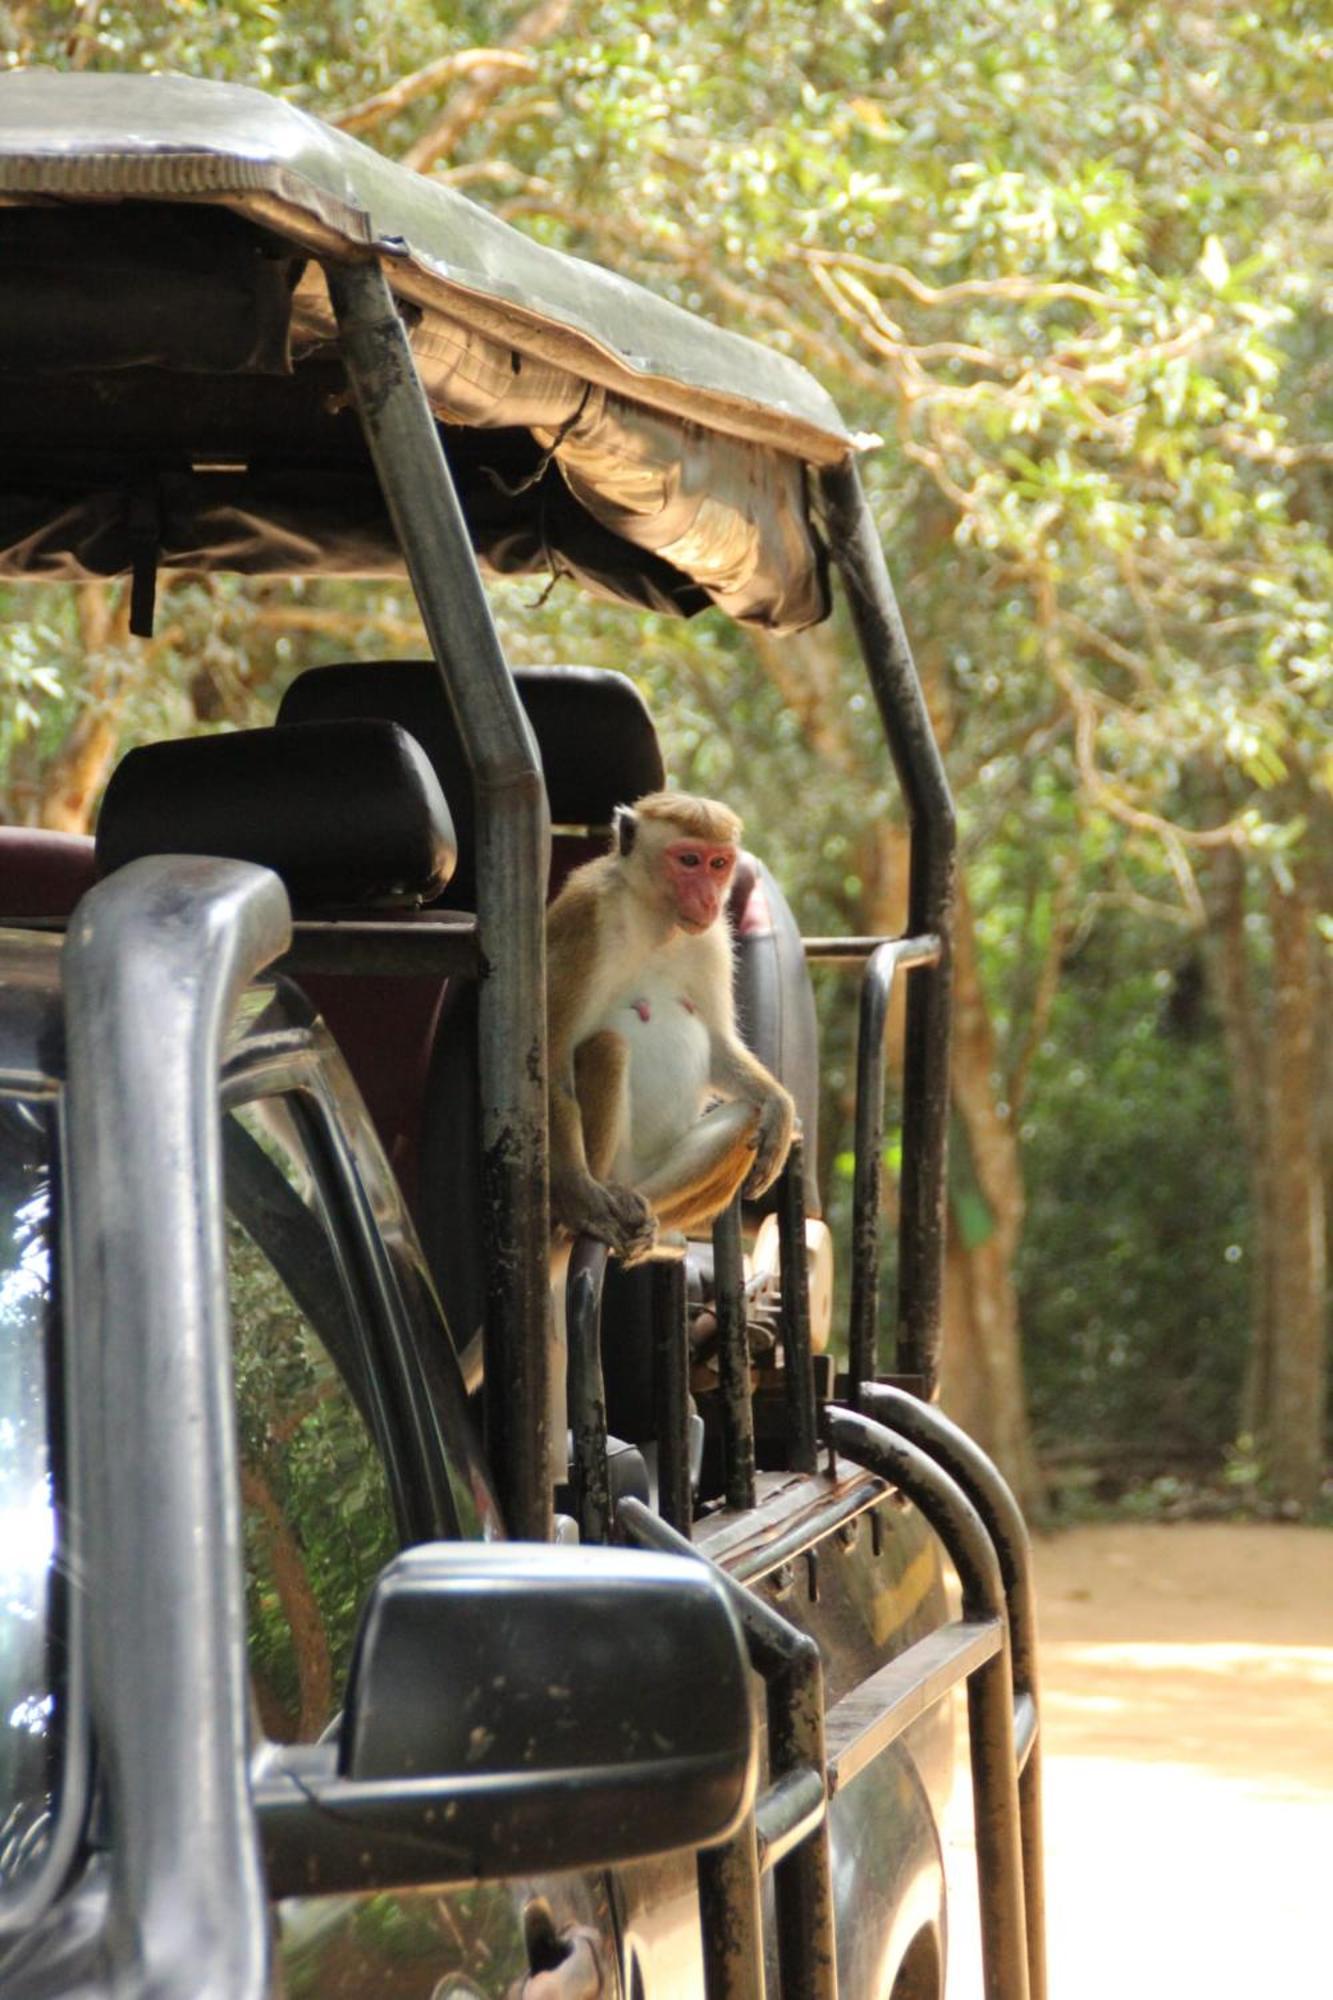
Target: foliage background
x=1072 y=263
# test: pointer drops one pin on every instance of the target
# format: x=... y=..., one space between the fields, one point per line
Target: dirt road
x=1187 y=1684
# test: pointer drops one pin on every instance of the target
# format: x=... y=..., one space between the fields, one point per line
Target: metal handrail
x=966 y=1463
x=811 y=1757
x=671 y=1394
x=875 y=1714
x=429 y=944
x=798 y=1370
x=513 y=857
x=584 y=1285
x=590 y=1474
x=997 y=1814
x=876 y=991
x=156 y=961
x=855 y=548
x=733 y=1360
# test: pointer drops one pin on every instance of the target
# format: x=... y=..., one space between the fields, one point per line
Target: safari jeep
x=367 y=1627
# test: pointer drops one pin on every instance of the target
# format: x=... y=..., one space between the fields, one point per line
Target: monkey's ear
x=625 y=825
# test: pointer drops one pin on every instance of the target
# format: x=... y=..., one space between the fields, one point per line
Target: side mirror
x=515 y=1709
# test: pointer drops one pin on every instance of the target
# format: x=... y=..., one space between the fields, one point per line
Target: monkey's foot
x=772 y=1143
x=615 y=1215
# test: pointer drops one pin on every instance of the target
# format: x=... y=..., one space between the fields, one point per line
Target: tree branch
x=1176 y=840
x=1015 y=289
x=85 y=34
x=537 y=25
x=75 y=775
x=433 y=76
x=305 y=1620
x=1319 y=453
x=1043 y=1000
x=300 y=618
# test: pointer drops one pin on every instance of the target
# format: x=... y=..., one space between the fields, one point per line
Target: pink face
x=699 y=873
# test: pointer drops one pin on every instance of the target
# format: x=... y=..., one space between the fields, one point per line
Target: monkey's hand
x=772 y=1140
x=608 y=1211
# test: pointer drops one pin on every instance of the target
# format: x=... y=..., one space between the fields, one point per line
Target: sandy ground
x=1187 y=1691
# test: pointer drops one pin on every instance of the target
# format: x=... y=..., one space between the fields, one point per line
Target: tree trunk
x=983 y=1384
x=1322 y=881
x=1231 y=974
x=982 y=1370
x=291 y=1580
x=76 y=774
x=1293 y=1415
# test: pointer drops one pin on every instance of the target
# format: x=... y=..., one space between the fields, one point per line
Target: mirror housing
x=515 y=1708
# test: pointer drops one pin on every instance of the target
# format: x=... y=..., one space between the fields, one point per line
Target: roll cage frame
x=512 y=855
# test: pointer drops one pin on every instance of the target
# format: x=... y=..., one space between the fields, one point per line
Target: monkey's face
x=698 y=875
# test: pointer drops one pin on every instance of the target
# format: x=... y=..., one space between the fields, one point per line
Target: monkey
x=642 y=1036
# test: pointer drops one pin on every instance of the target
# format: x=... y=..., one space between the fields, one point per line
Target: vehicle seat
x=596 y=738
x=280 y=796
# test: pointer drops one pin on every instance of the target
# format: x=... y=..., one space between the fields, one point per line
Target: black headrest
x=598 y=745
x=349 y=814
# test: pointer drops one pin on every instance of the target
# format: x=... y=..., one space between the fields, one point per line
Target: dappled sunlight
x=1242 y=1709
x=1169 y=1881
x=1188 y=1780
x=1221 y=1656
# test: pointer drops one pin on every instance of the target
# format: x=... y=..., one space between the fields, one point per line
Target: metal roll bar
x=590 y=1474
x=733 y=1360
x=855 y=549
x=876 y=991
x=798 y=1371
x=990 y=1686
x=156 y=958
x=513 y=858
x=965 y=1462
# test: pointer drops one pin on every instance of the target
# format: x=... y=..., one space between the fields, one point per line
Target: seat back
x=596 y=740
x=775 y=1004
x=351 y=815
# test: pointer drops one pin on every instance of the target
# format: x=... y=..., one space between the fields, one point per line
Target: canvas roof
x=677 y=452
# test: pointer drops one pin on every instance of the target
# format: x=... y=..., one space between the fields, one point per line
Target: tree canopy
x=1071 y=265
